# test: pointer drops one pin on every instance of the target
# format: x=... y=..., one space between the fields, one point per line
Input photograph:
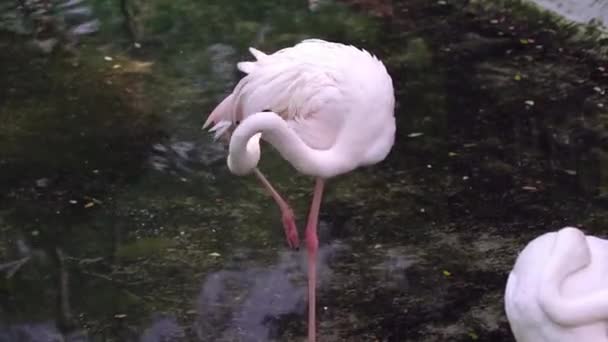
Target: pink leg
x=289 y=221
x=312 y=244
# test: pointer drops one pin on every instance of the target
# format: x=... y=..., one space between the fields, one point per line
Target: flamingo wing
x=304 y=92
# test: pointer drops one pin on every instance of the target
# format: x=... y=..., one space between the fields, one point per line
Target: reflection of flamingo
x=558 y=289
x=329 y=109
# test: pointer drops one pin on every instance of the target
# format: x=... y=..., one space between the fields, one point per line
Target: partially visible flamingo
x=558 y=289
x=328 y=109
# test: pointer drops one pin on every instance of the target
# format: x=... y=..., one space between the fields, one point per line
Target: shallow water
x=121 y=222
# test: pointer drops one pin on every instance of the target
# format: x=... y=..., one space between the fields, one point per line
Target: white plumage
x=332 y=96
x=558 y=289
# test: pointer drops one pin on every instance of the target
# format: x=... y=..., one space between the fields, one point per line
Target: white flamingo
x=558 y=289
x=330 y=110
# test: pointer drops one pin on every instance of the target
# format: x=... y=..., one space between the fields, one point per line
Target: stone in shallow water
x=70 y=3
x=77 y=15
x=86 y=28
x=46 y=45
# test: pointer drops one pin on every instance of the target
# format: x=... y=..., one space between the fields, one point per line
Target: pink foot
x=291 y=232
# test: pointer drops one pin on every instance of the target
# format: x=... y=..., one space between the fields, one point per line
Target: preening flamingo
x=327 y=108
x=558 y=289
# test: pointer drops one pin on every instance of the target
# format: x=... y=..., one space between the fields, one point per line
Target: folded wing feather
x=303 y=94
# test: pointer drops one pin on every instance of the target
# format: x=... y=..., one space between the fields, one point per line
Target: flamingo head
x=244 y=164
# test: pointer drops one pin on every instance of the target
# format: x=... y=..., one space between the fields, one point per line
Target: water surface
x=121 y=222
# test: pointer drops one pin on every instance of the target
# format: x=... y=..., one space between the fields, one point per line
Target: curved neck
x=309 y=161
x=570 y=254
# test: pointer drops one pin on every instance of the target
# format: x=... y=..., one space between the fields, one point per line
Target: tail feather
x=224 y=115
x=223 y=111
x=220 y=128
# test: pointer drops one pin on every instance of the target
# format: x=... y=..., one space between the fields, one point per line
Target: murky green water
x=121 y=222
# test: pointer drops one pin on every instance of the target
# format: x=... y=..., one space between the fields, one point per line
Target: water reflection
x=392 y=271
x=45 y=331
x=259 y=303
x=247 y=301
x=163 y=328
x=32 y=332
